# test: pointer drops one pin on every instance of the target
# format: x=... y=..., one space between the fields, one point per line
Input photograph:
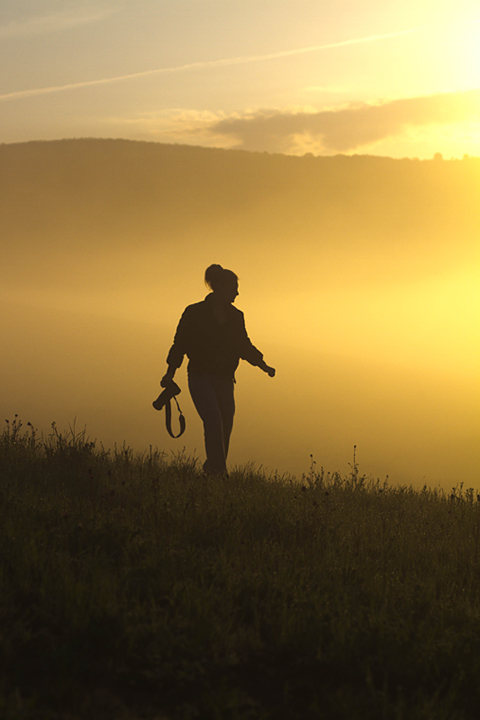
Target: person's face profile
x=229 y=291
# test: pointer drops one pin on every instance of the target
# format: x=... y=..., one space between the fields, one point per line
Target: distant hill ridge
x=115 y=187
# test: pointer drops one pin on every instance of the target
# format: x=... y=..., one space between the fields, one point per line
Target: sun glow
x=468 y=57
x=425 y=324
x=449 y=61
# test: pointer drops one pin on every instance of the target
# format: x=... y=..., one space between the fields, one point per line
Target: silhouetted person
x=213 y=336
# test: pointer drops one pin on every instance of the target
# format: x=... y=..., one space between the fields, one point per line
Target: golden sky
x=398 y=78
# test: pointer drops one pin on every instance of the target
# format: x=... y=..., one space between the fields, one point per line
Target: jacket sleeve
x=181 y=340
x=248 y=351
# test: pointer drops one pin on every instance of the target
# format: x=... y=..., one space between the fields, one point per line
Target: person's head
x=224 y=283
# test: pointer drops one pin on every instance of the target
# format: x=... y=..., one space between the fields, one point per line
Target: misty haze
x=358 y=280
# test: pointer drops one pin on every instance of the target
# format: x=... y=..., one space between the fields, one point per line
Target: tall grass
x=134 y=587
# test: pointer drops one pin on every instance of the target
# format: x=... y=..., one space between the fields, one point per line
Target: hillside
x=77 y=189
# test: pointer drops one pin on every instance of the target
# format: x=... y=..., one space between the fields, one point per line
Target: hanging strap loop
x=168 y=419
x=164 y=400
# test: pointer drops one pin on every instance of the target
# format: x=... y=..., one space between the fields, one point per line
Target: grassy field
x=132 y=587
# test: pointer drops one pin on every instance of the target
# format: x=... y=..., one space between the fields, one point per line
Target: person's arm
x=178 y=349
x=252 y=354
x=267 y=369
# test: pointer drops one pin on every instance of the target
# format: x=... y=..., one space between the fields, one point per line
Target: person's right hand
x=167 y=379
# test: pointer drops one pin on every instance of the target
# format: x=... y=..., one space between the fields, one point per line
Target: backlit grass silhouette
x=134 y=587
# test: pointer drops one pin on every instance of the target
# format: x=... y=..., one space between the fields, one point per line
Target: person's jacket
x=212 y=348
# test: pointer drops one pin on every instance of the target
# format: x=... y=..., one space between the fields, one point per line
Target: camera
x=170 y=391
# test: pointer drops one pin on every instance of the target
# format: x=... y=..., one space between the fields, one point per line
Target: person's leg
x=205 y=398
x=226 y=402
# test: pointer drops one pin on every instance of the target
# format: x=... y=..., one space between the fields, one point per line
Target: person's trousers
x=214 y=401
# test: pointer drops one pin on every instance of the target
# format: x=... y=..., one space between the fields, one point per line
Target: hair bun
x=216 y=276
x=213 y=275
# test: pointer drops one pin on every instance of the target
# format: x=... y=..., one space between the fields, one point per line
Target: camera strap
x=168 y=419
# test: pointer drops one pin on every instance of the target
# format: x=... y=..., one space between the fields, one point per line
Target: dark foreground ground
x=132 y=587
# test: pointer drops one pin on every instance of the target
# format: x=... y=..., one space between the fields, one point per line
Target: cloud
x=221 y=62
x=347 y=128
x=54 y=22
x=173 y=125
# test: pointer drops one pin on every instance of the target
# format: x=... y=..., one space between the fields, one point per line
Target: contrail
x=198 y=65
